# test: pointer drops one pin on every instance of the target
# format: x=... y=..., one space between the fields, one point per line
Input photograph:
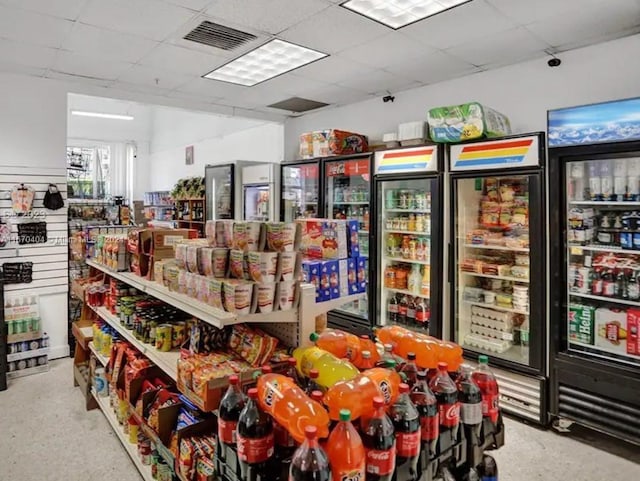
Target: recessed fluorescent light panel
x=82 y=113
x=400 y=13
x=270 y=60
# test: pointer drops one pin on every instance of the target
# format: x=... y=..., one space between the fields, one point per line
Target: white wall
x=33 y=134
x=524 y=92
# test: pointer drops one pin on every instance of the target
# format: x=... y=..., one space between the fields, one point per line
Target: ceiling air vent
x=297 y=104
x=219 y=36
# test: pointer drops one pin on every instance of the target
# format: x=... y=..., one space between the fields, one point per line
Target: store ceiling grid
x=137 y=46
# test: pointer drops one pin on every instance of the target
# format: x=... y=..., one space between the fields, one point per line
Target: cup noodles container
x=263 y=266
x=581 y=323
x=266 y=296
x=288 y=264
x=633 y=332
x=238 y=296
x=210 y=232
x=286 y=295
x=320 y=143
x=247 y=236
x=282 y=236
x=216 y=293
x=610 y=330
x=224 y=233
x=362 y=266
x=331 y=270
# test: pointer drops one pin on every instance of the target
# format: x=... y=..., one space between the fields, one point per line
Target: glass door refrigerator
x=594 y=154
x=220 y=191
x=497 y=264
x=408 y=233
x=300 y=195
x=347 y=195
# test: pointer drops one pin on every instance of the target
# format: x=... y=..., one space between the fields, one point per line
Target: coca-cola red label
x=227 y=431
x=356 y=474
x=402 y=310
x=471 y=413
x=393 y=308
x=408 y=444
x=255 y=450
x=381 y=462
x=490 y=406
x=282 y=437
x=449 y=414
x=429 y=427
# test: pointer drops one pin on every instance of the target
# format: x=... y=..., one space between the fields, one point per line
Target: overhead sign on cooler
x=418 y=159
x=496 y=154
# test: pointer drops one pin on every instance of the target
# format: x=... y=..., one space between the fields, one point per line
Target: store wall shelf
x=597 y=248
x=502 y=278
x=18 y=356
x=103 y=360
x=408 y=261
x=131 y=449
x=407 y=292
x=497 y=308
x=606 y=203
x=410 y=232
x=497 y=248
x=322 y=307
x=612 y=300
x=410 y=211
x=167 y=361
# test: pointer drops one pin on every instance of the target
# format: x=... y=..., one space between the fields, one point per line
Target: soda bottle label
x=385 y=390
x=471 y=413
x=356 y=474
x=255 y=450
x=227 y=431
x=430 y=427
x=490 y=406
x=381 y=462
x=408 y=444
x=449 y=414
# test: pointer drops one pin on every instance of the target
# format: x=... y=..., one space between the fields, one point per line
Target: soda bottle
x=488 y=469
x=255 y=438
x=312 y=382
x=388 y=355
x=446 y=394
x=359 y=392
x=450 y=353
x=366 y=344
x=331 y=368
x=402 y=310
x=366 y=361
x=406 y=423
x=411 y=311
x=346 y=451
x=392 y=309
x=427 y=407
x=410 y=370
x=339 y=343
x=310 y=462
x=231 y=405
x=290 y=406
x=379 y=443
x=470 y=398
x=488 y=385
x=293 y=373
x=404 y=341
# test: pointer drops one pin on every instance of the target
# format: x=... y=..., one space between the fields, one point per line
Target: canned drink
x=33 y=345
x=42 y=360
x=31 y=362
x=12 y=366
x=178 y=334
x=13 y=348
x=24 y=346
x=582 y=280
x=163 y=337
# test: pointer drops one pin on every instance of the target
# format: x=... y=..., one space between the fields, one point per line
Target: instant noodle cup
x=281 y=236
x=216 y=294
x=286 y=295
x=220 y=261
x=288 y=265
x=266 y=296
x=254 y=235
x=181 y=255
x=236 y=263
x=206 y=261
x=263 y=266
x=238 y=296
x=182 y=281
x=210 y=232
x=193 y=258
x=192 y=284
x=224 y=233
x=239 y=239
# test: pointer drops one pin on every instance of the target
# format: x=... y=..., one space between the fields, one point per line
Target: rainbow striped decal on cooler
x=406 y=160
x=495 y=154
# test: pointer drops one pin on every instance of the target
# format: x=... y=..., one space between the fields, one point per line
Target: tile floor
x=45 y=434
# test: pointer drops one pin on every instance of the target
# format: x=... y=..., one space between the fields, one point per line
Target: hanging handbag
x=53 y=198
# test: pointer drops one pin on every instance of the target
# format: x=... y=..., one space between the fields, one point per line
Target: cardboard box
x=610 y=330
x=311 y=275
x=322 y=239
x=581 y=323
x=332 y=268
x=633 y=332
x=324 y=289
x=362 y=266
x=156 y=242
x=352 y=237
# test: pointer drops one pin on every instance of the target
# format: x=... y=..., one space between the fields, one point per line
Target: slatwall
x=50 y=259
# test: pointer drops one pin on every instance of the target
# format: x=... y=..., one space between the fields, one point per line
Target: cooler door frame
x=297 y=163
x=210 y=200
x=537 y=278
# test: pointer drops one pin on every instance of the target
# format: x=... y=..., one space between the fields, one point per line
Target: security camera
x=388 y=98
x=554 y=62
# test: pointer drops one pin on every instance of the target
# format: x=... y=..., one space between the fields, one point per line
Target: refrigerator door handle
x=452 y=266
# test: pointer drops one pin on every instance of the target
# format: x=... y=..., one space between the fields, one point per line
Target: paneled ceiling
x=137 y=45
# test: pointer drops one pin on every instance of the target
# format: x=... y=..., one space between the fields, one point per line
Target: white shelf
x=490 y=276
x=595 y=248
x=131 y=449
x=322 y=307
x=497 y=248
x=360 y=202
x=497 y=308
x=612 y=300
x=409 y=211
x=408 y=261
x=362 y=231
x=18 y=356
x=605 y=203
x=167 y=361
x=411 y=232
x=103 y=360
x=407 y=292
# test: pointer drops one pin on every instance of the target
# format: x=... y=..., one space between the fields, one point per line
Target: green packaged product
x=581 y=323
x=457 y=123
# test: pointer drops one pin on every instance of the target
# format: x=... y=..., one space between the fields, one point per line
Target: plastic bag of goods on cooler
x=469 y=121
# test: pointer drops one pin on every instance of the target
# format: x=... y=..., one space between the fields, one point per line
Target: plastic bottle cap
x=314 y=374
x=266 y=369
x=292 y=361
x=443 y=366
x=313 y=337
x=310 y=432
x=411 y=356
x=365 y=337
x=317 y=396
x=233 y=379
x=388 y=347
x=253 y=393
x=422 y=374
x=345 y=415
x=390 y=364
x=404 y=388
x=378 y=402
x=483 y=359
x=366 y=355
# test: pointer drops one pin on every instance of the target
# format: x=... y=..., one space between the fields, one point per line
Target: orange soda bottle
x=280 y=397
x=424 y=347
x=451 y=353
x=330 y=368
x=346 y=451
x=359 y=392
x=345 y=345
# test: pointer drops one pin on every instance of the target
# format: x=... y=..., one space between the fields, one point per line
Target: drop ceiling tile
x=212 y=88
x=392 y=46
x=292 y=84
x=565 y=31
x=526 y=12
x=333 y=30
x=271 y=16
x=332 y=69
x=178 y=94
x=182 y=60
x=432 y=68
x=378 y=81
x=141 y=89
x=459 y=25
x=107 y=44
x=66 y=9
x=337 y=95
x=26 y=55
x=501 y=48
x=34 y=28
x=14 y=68
x=196 y=5
x=88 y=66
x=154 y=77
x=78 y=78
x=144 y=18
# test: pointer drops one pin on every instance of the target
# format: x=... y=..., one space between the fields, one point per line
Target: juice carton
x=633 y=331
x=610 y=329
x=581 y=323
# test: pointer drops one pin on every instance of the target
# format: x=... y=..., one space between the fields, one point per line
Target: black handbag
x=53 y=198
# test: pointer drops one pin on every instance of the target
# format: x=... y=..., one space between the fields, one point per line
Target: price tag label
x=576 y=251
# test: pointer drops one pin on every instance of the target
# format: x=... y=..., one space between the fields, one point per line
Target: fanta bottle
x=425 y=348
x=346 y=451
x=330 y=368
x=345 y=345
x=358 y=393
x=451 y=353
x=280 y=397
